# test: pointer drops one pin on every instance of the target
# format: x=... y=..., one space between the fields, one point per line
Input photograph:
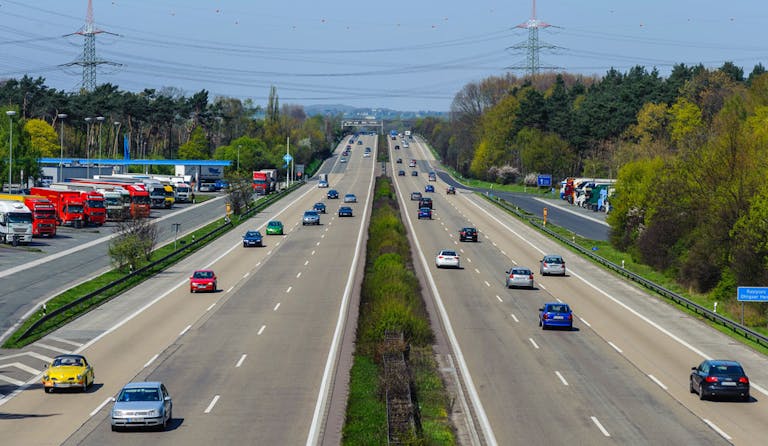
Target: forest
x=165 y=124
x=690 y=152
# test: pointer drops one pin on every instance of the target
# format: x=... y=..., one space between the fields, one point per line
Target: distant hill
x=378 y=113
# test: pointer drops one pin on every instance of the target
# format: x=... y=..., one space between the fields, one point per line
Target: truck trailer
x=68 y=203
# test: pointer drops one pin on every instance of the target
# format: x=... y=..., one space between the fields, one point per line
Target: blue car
x=429 y=188
x=425 y=213
x=345 y=211
x=555 y=314
x=319 y=207
x=252 y=238
x=333 y=194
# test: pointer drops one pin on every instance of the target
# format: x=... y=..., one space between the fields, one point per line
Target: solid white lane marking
x=654 y=379
x=100 y=406
x=306 y=262
x=24 y=367
x=717 y=429
x=230 y=289
x=185 y=330
x=32 y=354
x=151 y=360
x=514 y=317
x=276 y=307
x=562 y=379
x=535 y=345
x=258 y=263
x=558 y=299
x=600 y=426
x=261 y=330
x=289 y=289
x=210 y=307
x=240 y=361
x=213 y=403
x=50 y=347
x=585 y=322
x=615 y=347
x=486 y=283
x=298 y=274
x=497 y=297
x=9 y=380
x=477 y=271
x=64 y=341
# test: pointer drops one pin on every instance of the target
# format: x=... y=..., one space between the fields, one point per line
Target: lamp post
x=88 y=147
x=238 y=158
x=10 y=114
x=117 y=131
x=101 y=121
x=62 y=117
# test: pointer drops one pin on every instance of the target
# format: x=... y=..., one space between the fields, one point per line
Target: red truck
x=261 y=183
x=43 y=213
x=95 y=211
x=140 y=202
x=68 y=203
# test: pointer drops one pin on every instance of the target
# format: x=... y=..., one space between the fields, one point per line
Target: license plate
x=728 y=383
x=558 y=317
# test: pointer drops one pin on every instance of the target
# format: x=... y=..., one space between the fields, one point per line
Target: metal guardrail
x=658 y=289
x=260 y=205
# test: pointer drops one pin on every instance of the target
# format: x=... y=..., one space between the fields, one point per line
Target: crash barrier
x=397 y=384
x=190 y=246
x=678 y=299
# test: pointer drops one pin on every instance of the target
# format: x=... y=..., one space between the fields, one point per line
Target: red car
x=202 y=280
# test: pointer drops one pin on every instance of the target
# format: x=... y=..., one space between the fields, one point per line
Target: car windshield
x=203 y=274
x=139 y=394
x=726 y=370
x=559 y=308
x=252 y=234
x=310 y=214
x=274 y=224
x=68 y=361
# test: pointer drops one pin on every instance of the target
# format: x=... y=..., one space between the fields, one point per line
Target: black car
x=319 y=207
x=467 y=234
x=414 y=173
x=333 y=194
x=425 y=202
x=399 y=161
x=714 y=378
x=345 y=211
x=252 y=238
x=401 y=173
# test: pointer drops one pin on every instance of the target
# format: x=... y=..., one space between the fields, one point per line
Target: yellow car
x=66 y=372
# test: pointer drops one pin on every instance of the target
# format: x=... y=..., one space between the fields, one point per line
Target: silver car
x=552 y=264
x=350 y=198
x=142 y=404
x=310 y=218
x=519 y=277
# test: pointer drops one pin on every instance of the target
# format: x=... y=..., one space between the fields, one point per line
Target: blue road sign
x=752 y=294
x=544 y=181
x=287 y=158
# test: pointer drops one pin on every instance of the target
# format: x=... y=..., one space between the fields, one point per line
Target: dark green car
x=274 y=227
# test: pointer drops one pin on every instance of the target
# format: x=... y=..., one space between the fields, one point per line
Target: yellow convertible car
x=68 y=371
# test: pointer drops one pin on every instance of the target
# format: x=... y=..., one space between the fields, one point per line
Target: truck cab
x=15 y=223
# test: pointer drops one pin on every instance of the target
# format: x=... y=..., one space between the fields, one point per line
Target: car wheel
x=191 y=290
x=48 y=389
x=702 y=394
x=690 y=386
x=215 y=286
x=114 y=428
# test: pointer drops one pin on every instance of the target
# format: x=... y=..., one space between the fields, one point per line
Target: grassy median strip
x=85 y=288
x=391 y=301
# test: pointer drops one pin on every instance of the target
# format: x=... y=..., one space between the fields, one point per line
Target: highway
x=621 y=376
x=245 y=364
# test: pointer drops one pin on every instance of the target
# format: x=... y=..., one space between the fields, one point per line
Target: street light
x=117 y=127
x=238 y=158
x=10 y=114
x=88 y=147
x=101 y=121
x=62 y=117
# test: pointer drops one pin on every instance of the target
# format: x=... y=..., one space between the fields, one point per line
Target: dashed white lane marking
x=535 y=345
x=469 y=260
x=210 y=307
x=306 y=262
x=298 y=274
x=455 y=242
x=498 y=297
x=514 y=317
x=585 y=322
x=289 y=289
x=246 y=274
x=276 y=307
x=213 y=403
x=230 y=289
x=96 y=410
x=450 y=235
x=261 y=330
x=50 y=347
x=477 y=271
x=615 y=347
x=65 y=341
x=258 y=263
x=494 y=243
x=240 y=361
x=717 y=429
x=151 y=360
x=562 y=379
x=269 y=253
x=326 y=229
x=656 y=380
x=487 y=284
x=277 y=244
x=317 y=244
x=503 y=253
x=462 y=250
x=322 y=236
x=185 y=330
x=600 y=426
x=313 y=251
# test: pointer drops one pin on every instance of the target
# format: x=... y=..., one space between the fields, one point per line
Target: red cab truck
x=94 y=211
x=43 y=213
x=261 y=183
x=139 y=196
x=68 y=203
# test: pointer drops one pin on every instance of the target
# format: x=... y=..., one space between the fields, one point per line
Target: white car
x=322 y=183
x=447 y=258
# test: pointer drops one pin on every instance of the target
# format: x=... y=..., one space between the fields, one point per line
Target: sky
x=403 y=55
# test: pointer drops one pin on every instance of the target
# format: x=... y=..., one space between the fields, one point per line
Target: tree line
x=690 y=152
x=155 y=124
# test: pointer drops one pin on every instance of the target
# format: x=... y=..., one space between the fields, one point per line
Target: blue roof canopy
x=144 y=162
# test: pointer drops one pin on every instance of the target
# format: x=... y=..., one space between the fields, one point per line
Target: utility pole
x=89 y=61
x=532 y=46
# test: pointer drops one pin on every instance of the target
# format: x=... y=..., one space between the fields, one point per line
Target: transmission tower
x=89 y=61
x=532 y=46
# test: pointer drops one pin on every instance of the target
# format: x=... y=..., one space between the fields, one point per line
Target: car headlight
x=153 y=413
x=45 y=377
x=117 y=413
x=79 y=377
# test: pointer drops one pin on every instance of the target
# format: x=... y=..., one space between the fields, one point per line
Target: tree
x=43 y=137
x=134 y=243
x=197 y=148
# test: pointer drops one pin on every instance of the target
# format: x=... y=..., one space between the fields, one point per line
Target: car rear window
x=448 y=253
x=553 y=260
x=726 y=370
x=559 y=308
x=521 y=271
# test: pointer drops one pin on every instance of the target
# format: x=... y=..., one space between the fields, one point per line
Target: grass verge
x=391 y=301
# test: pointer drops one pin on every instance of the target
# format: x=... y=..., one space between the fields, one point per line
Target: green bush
x=366 y=418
